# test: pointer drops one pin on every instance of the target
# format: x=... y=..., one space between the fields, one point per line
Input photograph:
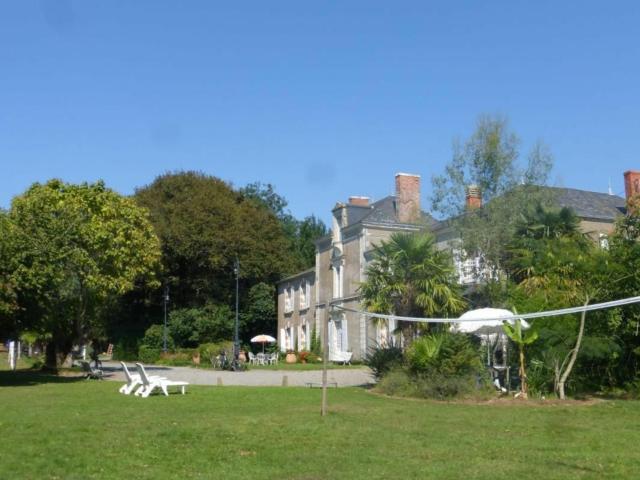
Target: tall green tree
x=75 y=248
x=624 y=249
x=260 y=314
x=203 y=224
x=559 y=270
x=409 y=276
x=491 y=160
x=8 y=304
x=301 y=234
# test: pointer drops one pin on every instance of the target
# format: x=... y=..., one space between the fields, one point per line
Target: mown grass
x=62 y=428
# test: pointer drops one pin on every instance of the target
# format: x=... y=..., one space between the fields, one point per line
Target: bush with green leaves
x=440 y=365
x=382 y=359
x=397 y=381
x=209 y=351
x=190 y=327
x=154 y=338
x=152 y=344
x=148 y=354
x=445 y=353
x=180 y=358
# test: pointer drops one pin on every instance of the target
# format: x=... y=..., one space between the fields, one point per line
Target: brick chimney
x=407 y=197
x=474 y=197
x=359 y=201
x=631 y=183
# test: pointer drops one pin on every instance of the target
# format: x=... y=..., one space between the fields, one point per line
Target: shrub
x=179 y=358
x=303 y=356
x=445 y=353
x=443 y=387
x=147 y=354
x=209 y=351
x=382 y=359
x=397 y=381
x=316 y=344
x=192 y=326
x=423 y=354
x=126 y=349
x=154 y=338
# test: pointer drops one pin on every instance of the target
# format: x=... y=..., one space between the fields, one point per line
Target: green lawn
x=77 y=429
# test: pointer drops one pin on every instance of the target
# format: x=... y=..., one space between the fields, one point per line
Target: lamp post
x=236 y=337
x=165 y=298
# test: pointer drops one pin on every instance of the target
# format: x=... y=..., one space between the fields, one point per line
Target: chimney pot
x=359 y=201
x=407 y=197
x=474 y=197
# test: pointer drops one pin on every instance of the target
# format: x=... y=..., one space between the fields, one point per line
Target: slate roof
x=383 y=212
x=585 y=204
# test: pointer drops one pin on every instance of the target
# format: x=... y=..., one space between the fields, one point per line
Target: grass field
x=77 y=429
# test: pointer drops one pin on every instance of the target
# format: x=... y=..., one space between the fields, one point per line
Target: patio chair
x=261 y=359
x=133 y=380
x=91 y=372
x=252 y=358
x=149 y=384
x=273 y=359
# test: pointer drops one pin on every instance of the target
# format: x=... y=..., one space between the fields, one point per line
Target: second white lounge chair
x=149 y=384
x=133 y=380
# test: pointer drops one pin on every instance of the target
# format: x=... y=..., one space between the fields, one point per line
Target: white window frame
x=304 y=294
x=288 y=300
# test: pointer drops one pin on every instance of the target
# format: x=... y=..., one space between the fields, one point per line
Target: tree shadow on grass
x=30 y=378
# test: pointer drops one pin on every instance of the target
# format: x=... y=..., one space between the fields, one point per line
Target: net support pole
x=325 y=361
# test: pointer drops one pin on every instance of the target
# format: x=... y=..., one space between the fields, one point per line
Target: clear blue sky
x=322 y=99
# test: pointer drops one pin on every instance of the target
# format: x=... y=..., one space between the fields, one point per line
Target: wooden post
x=325 y=361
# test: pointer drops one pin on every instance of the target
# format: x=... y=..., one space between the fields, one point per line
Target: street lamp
x=236 y=338
x=165 y=299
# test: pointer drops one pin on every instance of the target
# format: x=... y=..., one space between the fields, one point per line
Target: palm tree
x=544 y=222
x=409 y=276
x=515 y=333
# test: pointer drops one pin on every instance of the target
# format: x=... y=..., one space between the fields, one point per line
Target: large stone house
x=305 y=299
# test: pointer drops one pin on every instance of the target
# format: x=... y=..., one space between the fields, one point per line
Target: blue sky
x=322 y=99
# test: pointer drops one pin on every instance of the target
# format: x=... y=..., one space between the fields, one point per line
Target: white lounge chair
x=341 y=357
x=133 y=380
x=149 y=384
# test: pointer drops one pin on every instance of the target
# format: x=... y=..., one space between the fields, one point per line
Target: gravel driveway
x=348 y=377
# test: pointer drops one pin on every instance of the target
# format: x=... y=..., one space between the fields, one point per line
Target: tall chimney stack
x=474 y=197
x=631 y=183
x=407 y=197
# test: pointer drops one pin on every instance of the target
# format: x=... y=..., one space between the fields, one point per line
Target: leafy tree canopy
x=491 y=160
x=203 y=224
x=301 y=234
x=75 y=248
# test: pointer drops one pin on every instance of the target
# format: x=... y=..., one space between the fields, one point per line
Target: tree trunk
x=574 y=354
x=56 y=353
x=523 y=374
x=51 y=357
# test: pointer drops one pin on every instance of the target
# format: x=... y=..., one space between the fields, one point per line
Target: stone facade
x=341 y=258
